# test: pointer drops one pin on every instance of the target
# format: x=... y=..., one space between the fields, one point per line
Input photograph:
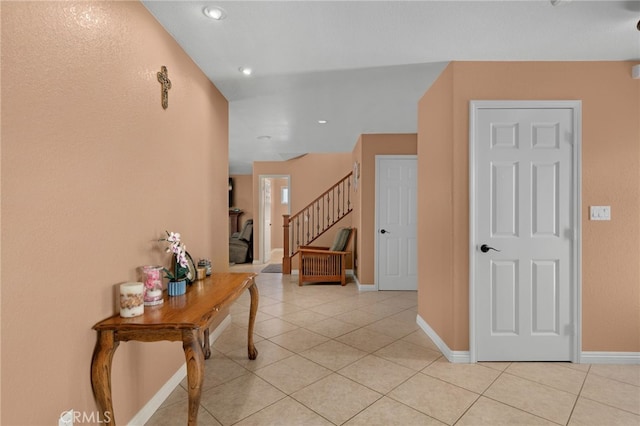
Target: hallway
x=330 y=355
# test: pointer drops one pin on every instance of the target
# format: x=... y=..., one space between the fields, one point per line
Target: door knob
x=485 y=248
x=384 y=231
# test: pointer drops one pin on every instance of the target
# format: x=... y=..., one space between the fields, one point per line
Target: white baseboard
x=457 y=357
x=156 y=401
x=610 y=358
x=365 y=287
x=585 y=357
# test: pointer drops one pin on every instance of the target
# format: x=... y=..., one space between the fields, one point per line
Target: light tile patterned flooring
x=331 y=355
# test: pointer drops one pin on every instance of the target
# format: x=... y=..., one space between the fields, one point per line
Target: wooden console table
x=185 y=318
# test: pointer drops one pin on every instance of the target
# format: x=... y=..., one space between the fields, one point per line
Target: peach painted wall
x=356 y=219
x=367 y=147
x=310 y=176
x=243 y=196
x=436 y=304
x=610 y=176
x=93 y=172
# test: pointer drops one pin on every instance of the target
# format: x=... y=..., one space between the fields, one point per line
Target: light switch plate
x=600 y=212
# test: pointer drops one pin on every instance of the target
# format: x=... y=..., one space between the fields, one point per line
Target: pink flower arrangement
x=179 y=250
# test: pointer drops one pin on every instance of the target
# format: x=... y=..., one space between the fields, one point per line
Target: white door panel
x=396 y=205
x=524 y=207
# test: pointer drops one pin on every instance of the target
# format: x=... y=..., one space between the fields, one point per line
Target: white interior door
x=525 y=225
x=266 y=223
x=396 y=214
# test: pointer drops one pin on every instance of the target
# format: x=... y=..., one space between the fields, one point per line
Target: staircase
x=315 y=219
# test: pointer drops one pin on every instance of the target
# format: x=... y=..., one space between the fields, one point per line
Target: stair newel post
x=286 y=257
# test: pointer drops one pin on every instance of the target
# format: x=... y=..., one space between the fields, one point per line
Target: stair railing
x=315 y=219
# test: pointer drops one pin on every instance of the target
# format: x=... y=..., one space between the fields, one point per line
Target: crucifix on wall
x=166 y=85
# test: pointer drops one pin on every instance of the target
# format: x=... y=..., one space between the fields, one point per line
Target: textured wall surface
x=93 y=172
x=370 y=146
x=610 y=176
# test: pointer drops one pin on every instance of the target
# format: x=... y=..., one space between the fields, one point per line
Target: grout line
x=502 y=372
x=575 y=403
x=284 y=290
x=610 y=406
x=612 y=378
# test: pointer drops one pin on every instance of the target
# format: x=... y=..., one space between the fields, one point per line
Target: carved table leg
x=206 y=346
x=101 y=373
x=253 y=290
x=194 y=356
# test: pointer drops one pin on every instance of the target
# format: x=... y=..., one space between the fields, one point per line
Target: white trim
x=456 y=357
x=375 y=223
x=472 y=232
x=576 y=206
x=156 y=401
x=365 y=287
x=610 y=357
x=577 y=236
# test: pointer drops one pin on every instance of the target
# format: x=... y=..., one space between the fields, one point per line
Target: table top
x=193 y=309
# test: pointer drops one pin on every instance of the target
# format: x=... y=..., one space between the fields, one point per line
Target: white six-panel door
x=524 y=207
x=396 y=220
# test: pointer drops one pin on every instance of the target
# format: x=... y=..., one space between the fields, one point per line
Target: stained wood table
x=185 y=318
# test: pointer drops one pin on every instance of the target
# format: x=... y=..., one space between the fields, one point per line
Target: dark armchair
x=241 y=244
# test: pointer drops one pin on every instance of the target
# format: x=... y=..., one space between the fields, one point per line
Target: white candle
x=131 y=299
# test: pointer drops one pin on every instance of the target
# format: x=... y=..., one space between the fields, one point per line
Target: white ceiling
x=363 y=65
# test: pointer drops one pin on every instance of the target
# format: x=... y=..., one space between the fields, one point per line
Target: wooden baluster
x=338 y=189
x=308 y=235
x=349 y=193
x=318 y=217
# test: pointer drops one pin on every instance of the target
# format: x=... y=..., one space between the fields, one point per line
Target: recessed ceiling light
x=245 y=70
x=322 y=121
x=214 y=12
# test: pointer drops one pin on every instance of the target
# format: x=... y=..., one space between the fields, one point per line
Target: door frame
x=576 y=206
x=376 y=208
x=262 y=256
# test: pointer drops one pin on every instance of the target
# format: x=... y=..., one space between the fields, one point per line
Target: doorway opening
x=274 y=202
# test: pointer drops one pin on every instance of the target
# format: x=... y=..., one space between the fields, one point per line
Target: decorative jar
x=152 y=285
x=206 y=264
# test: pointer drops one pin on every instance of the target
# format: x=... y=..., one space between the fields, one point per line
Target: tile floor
x=330 y=355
